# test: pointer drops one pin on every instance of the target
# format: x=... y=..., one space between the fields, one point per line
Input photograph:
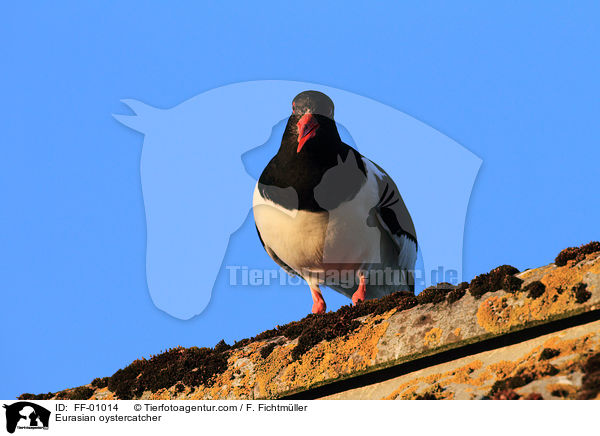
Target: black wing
x=391 y=209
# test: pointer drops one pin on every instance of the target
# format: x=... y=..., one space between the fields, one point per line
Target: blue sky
x=515 y=84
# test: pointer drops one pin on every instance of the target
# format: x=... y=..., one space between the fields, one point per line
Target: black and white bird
x=326 y=213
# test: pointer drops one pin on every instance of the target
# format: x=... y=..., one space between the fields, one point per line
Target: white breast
x=317 y=241
x=295 y=236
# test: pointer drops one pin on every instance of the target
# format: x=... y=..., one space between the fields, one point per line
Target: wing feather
x=394 y=216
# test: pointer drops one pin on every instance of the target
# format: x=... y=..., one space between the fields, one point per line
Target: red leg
x=319 y=305
x=361 y=292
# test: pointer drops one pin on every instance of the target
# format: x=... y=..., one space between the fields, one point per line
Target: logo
x=26 y=415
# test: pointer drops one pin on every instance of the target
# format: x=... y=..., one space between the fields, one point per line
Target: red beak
x=307 y=128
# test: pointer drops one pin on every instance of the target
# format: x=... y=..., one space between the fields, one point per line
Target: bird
x=329 y=215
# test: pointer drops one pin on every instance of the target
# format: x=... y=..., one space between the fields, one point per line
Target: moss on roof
x=400 y=327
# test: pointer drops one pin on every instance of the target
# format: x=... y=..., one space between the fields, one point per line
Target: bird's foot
x=319 y=305
x=361 y=292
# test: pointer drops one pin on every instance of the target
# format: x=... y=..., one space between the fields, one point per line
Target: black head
x=312 y=117
x=313 y=102
x=310 y=147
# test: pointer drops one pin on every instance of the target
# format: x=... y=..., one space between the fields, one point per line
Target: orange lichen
x=102 y=394
x=161 y=394
x=562 y=390
x=251 y=372
x=329 y=360
x=408 y=394
x=435 y=392
x=503 y=368
x=567 y=276
x=433 y=337
x=463 y=374
x=277 y=373
x=498 y=314
x=440 y=381
x=109 y=396
x=478 y=379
